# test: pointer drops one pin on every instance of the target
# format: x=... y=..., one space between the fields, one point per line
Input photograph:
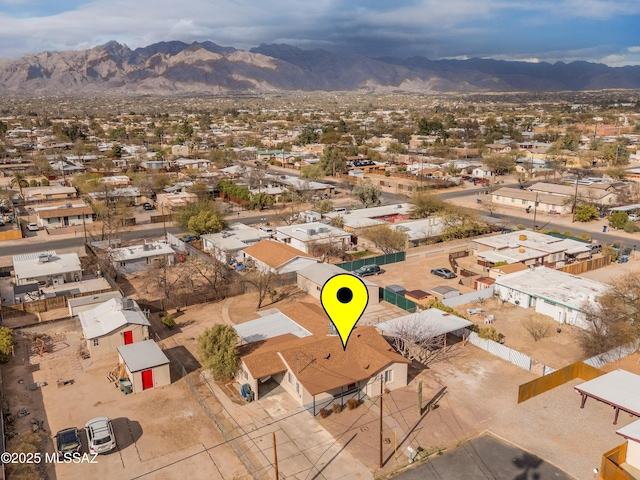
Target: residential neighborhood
x=162 y=272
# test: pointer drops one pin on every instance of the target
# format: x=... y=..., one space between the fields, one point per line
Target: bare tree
x=415 y=340
x=263 y=282
x=387 y=239
x=538 y=328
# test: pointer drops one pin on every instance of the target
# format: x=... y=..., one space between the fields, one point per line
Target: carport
x=620 y=389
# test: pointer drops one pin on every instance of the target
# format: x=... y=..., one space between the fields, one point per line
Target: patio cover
x=620 y=389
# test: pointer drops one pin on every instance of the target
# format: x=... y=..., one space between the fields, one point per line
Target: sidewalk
x=305 y=449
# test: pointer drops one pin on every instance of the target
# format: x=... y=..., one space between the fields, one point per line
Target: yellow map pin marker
x=344 y=298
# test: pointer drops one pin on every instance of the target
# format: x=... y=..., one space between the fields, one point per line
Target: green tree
x=387 y=239
x=333 y=161
x=116 y=151
x=258 y=201
x=20 y=181
x=616 y=153
x=312 y=172
x=324 y=206
x=206 y=221
x=218 y=351
x=44 y=182
x=367 y=193
x=6 y=344
x=502 y=164
x=617 y=173
x=458 y=223
x=425 y=204
x=308 y=135
x=618 y=219
x=586 y=213
x=212 y=219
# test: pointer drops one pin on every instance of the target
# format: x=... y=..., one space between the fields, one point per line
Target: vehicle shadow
x=127 y=432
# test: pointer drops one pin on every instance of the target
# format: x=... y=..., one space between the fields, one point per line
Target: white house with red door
x=146 y=365
x=116 y=322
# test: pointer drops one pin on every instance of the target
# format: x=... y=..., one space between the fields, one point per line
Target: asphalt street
x=485 y=458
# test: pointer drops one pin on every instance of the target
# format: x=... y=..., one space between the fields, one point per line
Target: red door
x=128 y=337
x=147 y=379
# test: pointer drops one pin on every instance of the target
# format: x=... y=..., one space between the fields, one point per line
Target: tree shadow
x=182 y=356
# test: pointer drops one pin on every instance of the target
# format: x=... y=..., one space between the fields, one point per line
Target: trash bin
x=624 y=259
x=604 y=229
x=125 y=386
x=246 y=388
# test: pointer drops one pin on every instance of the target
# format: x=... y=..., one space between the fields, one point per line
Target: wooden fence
x=555 y=379
x=44 y=305
x=11 y=235
x=611 y=461
x=581 y=267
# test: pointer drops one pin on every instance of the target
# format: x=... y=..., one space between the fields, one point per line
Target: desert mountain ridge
x=169 y=68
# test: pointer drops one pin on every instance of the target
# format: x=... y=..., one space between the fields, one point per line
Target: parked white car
x=634 y=217
x=100 y=435
x=33 y=227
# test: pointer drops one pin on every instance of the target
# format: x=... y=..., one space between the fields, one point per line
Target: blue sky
x=603 y=31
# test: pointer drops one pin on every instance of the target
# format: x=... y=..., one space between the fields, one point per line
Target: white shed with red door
x=146 y=365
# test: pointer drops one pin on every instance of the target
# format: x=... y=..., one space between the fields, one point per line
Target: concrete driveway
x=485 y=457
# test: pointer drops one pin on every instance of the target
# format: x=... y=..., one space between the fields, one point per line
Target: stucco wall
x=108 y=344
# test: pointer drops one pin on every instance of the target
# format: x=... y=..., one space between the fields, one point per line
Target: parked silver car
x=100 y=435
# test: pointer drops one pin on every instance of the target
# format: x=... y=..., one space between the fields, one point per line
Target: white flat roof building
x=235 y=238
x=137 y=252
x=269 y=326
x=34 y=267
x=425 y=323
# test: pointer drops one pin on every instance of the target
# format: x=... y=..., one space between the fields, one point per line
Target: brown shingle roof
x=273 y=253
x=65 y=212
x=366 y=354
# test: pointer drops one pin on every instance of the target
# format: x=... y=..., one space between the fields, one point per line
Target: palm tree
x=20 y=181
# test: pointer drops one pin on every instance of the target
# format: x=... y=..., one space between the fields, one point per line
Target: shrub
x=490 y=333
x=337 y=408
x=520 y=227
x=352 y=403
x=44 y=182
x=169 y=321
x=218 y=350
x=537 y=327
x=618 y=219
x=324 y=413
x=586 y=213
x=631 y=227
x=6 y=344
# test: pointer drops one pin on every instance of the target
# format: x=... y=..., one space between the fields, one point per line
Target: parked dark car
x=367 y=270
x=68 y=442
x=147 y=206
x=443 y=272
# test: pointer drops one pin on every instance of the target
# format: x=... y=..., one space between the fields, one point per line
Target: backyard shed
x=146 y=365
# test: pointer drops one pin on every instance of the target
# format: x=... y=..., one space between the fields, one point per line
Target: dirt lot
x=150 y=441
x=557 y=350
x=415 y=272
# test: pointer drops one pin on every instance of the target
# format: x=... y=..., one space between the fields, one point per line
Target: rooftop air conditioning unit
x=311 y=231
x=145 y=247
x=69 y=205
x=128 y=304
x=43 y=257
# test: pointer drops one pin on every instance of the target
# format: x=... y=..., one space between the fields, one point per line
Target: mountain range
x=204 y=68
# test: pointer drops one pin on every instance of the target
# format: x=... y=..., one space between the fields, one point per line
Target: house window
x=246 y=376
x=47 y=197
x=96 y=342
x=290 y=378
x=298 y=388
x=388 y=376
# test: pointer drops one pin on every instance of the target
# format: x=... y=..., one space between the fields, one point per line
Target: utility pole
x=381 y=385
x=164 y=222
x=575 y=200
x=535 y=212
x=275 y=456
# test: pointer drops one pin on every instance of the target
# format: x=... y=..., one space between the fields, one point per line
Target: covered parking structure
x=417 y=335
x=620 y=389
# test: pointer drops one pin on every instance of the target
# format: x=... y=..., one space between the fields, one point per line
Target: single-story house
x=131 y=195
x=525 y=199
x=52 y=192
x=312 y=278
x=137 y=257
x=315 y=369
x=597 y=193
x=118 y=321
x=145 y=364
x=227 y=246
x=305 y=236
x=277 y=257
x=497 y=148
x=554 y=293
x=116 y=181
x=483 y=172
x=529 y=248
x=64 y=215
x=82 y=304
x=175 y=199
x=47 y=267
